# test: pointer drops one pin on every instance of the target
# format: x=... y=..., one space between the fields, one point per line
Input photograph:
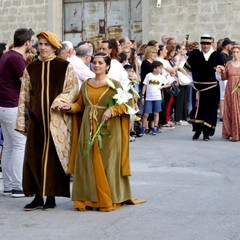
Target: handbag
x=183 y=79
x=174 y=89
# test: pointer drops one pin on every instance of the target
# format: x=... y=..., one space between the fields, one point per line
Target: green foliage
x=111 y=102
x=101 y=131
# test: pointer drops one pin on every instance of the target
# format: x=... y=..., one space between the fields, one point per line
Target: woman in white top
x=181 y=104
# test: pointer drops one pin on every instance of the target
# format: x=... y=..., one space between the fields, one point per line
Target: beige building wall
x=218 y=18
x=40 y=15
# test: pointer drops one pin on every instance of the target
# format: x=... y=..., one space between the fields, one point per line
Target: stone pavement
x=192 y=190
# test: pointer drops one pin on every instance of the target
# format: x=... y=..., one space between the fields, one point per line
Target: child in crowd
x=152 y=85
x=134 y=81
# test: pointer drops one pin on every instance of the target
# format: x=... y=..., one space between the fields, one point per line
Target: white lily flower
x=122 y=96
x=130 y=110
x=126 y=87
x=110 y=84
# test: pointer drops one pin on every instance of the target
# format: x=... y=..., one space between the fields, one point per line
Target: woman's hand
x=63 y=106
x=106 y=115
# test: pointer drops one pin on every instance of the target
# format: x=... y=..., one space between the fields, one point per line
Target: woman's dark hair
x=2 y=48
x=114 y=44
x=178 y=47
x=132 y=58
x=170 y=49
x=161 y=46
x=105 y=56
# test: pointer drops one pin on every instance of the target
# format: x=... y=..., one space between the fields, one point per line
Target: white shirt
x=118 y=73
x=208 y=54
x=165 y=64
x=82 y=70
x=153 y=86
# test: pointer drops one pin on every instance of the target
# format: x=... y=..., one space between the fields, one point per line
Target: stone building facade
x=36 y=14
x=219 y=18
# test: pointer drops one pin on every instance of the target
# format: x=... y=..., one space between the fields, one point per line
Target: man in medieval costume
x=202 y=64
x=48 y=142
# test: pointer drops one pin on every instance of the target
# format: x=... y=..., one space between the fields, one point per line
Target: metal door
x=102 y=19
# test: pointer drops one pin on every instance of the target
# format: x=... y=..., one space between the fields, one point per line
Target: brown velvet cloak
x=43 y=81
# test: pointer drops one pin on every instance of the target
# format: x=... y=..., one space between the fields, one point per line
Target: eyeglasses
x=153 y=52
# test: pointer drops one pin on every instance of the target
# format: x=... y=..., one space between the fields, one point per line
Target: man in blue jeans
x=12 y=65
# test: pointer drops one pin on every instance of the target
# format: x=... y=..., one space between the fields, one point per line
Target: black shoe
x=196 y=135
x=50 y=203
x=35 y=204
x=206 y=137
x=133 y=134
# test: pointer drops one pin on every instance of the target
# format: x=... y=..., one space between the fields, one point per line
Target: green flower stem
x=96 y=134
x=235 y=88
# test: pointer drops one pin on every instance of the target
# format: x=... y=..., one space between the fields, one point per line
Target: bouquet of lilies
x=122 y=96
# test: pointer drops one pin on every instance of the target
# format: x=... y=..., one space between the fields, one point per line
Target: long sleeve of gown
x=224 y=74
x=77 y=106
x=23 y=104
x=118 y=109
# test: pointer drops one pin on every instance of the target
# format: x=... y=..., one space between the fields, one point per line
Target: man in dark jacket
x=206 y=95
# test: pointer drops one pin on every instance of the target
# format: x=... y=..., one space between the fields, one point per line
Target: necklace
x=98 y=83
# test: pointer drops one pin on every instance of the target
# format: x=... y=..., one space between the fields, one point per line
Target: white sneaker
x=185 y=123
x=182 y=123
x=17 y=194
x=131 y=139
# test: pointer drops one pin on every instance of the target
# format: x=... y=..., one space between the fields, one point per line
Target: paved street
x=192 y=190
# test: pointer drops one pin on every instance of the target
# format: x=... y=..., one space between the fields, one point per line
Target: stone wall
x=40 y=15
x=218 y=18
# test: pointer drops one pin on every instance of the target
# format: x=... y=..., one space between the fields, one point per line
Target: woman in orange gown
x=101 y=177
